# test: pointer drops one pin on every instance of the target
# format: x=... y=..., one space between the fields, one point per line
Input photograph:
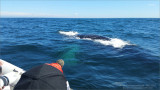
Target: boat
x=10 y=75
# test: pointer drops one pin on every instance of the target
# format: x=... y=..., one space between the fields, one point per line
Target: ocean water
x=129 y=60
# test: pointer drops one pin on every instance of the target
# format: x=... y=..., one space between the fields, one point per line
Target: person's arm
x=1 y=63
x=0 y=73
x=0 y=67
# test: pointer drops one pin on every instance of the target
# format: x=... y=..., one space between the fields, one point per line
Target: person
x=1 y=67
x=2 y=88
x=9 y=75
x=0 y=72
x=48 y=76
x=59 y=64
x=1 y=63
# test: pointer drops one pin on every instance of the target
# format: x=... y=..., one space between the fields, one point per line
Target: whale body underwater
x=93 y=37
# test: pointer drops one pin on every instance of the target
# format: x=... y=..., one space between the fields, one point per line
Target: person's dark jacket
x=43 y=77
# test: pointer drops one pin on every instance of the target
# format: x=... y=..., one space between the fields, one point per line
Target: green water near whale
x=69 y=54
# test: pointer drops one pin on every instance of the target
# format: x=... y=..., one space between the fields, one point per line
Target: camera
x=9 y=79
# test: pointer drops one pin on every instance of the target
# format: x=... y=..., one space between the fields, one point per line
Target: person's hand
x=1 y=88
x=1 y=63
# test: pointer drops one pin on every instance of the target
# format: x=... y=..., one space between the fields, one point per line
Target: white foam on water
x=77 y=38
x=87 y=39
x=115 y=42
x=70 y=33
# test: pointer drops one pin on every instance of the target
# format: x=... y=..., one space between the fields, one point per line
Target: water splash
x=115 y=42
x=70 y=33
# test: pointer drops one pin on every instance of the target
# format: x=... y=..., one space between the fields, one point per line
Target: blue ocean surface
x=130 y=60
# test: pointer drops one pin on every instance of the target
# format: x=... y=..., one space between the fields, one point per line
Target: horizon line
x=79 y=17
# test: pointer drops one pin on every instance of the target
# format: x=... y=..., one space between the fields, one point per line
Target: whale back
x=93 y=37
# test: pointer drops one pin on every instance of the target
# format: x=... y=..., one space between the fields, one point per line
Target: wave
x=115 y=42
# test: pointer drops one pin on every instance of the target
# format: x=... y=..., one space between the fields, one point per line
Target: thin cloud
x=23 y=14
x=14 y=14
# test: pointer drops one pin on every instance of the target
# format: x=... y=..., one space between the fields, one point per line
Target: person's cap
x=60 y=62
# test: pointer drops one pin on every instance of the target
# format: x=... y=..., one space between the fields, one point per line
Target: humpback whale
x=93 y=37
x=115 y=42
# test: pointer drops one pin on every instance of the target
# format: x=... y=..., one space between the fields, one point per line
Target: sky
x=80 y=8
